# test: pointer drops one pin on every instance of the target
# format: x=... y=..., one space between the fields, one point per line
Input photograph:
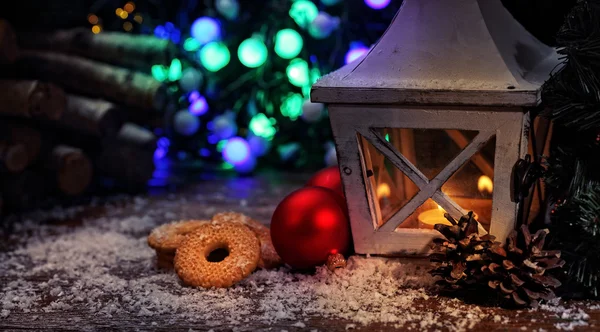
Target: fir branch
x=572 y=169
x=573 y=94
x=576 y=229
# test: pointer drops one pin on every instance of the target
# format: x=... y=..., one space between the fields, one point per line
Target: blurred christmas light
x=129 y=7
x=224 y=125
x=288 y=151
x=96 y=29
x=323 y=25
x=297 y=72
x=162 y=148
x=127 y=26
x=330 y=2
x=93 y=19
x=288 y=43
x=138 y=18
x=191 y=79
x=199 y=106
x=168 y=31
x=119 y=11
x=123 y=14
x=206 y=29
x=236 y=151
x=175 y=70
x=263 y=126
x=356 y=51
x=161 y=32
x=291 y=106
x=247 y=166
x=221 y=145
x=315 y=74
x=214 y=56
x=311 y=112
x=330 y=156
x=377 y=4
x=226 y=166
x=185 y=123
x=303 y=12
x=259 y=145
x=228 y=8
x=212 y=139
x=204 y=152
x=193 y=96
x=252 y=52
x=160 y=73
x=191 y=45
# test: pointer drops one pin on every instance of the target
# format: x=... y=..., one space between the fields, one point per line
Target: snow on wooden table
x=88 y=268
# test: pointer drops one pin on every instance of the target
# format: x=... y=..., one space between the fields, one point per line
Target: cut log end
x=14 y=157
x=30 y=98
x=74 y=170
x=47 y=100
x=9 y=51
x=93 y=117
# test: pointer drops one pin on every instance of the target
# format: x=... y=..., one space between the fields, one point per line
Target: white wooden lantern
x=433 y=119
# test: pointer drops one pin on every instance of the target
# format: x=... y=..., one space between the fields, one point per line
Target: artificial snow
x=105 y=267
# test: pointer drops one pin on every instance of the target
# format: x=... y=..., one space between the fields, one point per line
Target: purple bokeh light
x=377 y=4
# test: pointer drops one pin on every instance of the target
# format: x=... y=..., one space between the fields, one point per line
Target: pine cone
x=515 y=271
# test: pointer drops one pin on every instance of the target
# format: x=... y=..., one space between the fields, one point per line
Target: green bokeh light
x=288 y=43
x=263 y=126
x=303 y=12
x=221 y=145
x=175 y=71
x=252 y=52
x=191 y=45
x=297 y=72
x=292 y=106
x=214 y=56
x=160 y=73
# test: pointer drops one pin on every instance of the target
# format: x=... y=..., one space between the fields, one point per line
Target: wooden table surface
x=257 y=197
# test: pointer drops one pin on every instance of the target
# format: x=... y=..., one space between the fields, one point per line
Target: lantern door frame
x=508 y=124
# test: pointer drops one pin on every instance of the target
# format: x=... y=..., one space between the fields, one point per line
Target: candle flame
x=485 y=184
x=383 y=190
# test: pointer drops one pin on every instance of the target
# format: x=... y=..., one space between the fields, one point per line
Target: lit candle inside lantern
x=432 y=217
x=485 y=184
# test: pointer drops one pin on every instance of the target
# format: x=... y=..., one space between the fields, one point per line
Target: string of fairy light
x=206 y=52
x=126 y=13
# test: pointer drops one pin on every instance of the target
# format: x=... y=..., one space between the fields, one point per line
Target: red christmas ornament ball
x=308 y=225
x=328 y=178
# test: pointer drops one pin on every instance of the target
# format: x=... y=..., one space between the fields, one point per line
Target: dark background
x=541 y=17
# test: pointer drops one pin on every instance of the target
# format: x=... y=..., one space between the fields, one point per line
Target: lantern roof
x=455 y=52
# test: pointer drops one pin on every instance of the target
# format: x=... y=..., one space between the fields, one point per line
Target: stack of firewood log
x=73 y=107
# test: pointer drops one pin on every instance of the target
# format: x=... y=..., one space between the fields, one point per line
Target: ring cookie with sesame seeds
x=217 y=255
x=268 y=256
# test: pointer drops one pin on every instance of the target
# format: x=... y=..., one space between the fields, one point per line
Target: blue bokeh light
x=206 y=29
x=356 y=51
x=162 y=148
x=237 y=151
x=199 y=106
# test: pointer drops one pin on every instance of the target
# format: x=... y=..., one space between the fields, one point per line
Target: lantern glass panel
x=430 y=151
x=388 y=188
x=472 y=185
